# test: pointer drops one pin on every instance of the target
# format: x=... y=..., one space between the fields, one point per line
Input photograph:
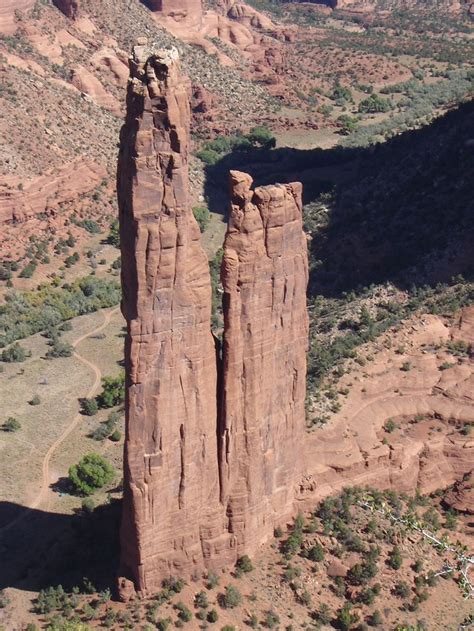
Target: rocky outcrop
x=190 y=11
x=211 y=444
x=21 y=201
x=461 y=496
x=173 y=521
x=88 y=84
x=70 y=8
x=264 y=276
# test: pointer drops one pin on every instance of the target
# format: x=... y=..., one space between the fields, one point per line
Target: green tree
x=60 y=349
x=374 y=104
x=261 y=136
x=347 y=124
x=113 y=391
x=92 y=473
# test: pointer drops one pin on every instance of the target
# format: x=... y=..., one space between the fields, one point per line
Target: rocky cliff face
x=200 y=485
x=7 y=13
x=172 y=516
x=70 y=8
x=264 y=275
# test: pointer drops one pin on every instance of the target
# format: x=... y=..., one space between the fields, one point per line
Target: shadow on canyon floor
x=45 y=549
x=401 y=211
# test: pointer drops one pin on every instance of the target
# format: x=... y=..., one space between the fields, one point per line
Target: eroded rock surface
x=264 y=276
x=70 y=8
x=209 y=470
x=173 y=520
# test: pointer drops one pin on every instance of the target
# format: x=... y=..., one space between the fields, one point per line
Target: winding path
x=45 y=480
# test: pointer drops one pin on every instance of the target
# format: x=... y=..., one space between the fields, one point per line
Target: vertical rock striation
x=209 y=470
x=172 y=519
x=264 y=275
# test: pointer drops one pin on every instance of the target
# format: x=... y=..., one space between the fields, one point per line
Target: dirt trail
x=45 y=481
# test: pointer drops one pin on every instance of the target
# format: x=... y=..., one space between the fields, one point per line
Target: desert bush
x=231 y=598
x=14 y=354
x=11 y=425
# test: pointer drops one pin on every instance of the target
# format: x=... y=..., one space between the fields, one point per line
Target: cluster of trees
x=92 y=473
x=26 y=313
x=257 y=137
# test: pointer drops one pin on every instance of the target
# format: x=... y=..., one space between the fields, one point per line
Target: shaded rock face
x=172 y=519
x=264 y=275
x=211 y=443
x=70 y=8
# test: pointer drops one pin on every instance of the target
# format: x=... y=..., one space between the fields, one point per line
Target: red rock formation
x=461 y=497
x=199 y=489
x=179 y=10
x=70 y=8
x=264 y=275
x=173 y=521
x=20 y=201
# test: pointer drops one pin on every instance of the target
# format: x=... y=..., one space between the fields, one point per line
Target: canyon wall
x=264 y=276
x=172 y=514
x=211 y=444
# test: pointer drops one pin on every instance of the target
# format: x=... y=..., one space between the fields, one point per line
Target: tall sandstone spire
x=172 y=518
x=264 y=275
x=209 y=469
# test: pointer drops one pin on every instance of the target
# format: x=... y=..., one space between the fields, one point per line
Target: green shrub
x=88 y=505
x=113 y=391
x=35 y=400
x=4 y=600
x=114 y=234
x=374 y=104
x=92 y=473
x=90 y=226
x=60 y=349
x=184 y=613
x=245 y=564
x=208 y=156
x=89 y=407
x=212 y=616
x=395 y=559
x=11 y=425
x=345 y=619
x=14 y=354
x=115 y=436
x=28 y=270
x=202 y=216
x=272 y=619
x=231 y=597
x=261 y=136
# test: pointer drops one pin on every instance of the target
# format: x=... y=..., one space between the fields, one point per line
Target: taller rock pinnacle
x=171 y=486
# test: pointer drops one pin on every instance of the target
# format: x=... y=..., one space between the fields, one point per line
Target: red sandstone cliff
x=264 y=275
x=172 y=517
x=70 y=8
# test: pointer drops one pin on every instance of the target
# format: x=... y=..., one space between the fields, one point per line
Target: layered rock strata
x=211 y=445
x=264 y=276
x=172 y=520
